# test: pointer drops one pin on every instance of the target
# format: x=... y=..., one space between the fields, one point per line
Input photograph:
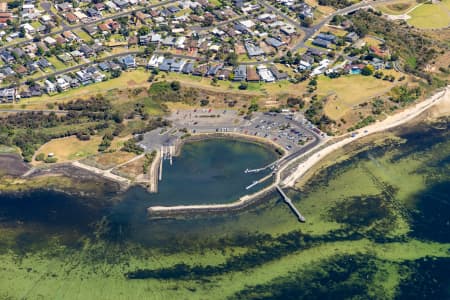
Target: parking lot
x=291 y=131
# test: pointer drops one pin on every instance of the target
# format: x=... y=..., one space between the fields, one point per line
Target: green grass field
x=349 y=91
x=431 y=16
x=397 y=8
x=59 y=65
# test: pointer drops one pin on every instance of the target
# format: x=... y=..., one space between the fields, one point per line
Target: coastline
x=64 y=178
x=269 y=144
x=390 y=122
x=315 y=155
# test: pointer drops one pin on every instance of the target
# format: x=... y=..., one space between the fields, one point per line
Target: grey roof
x=326 y=37
x=274 y=42
x=188 y=68
x=166 y=63
x=253 y=50
x=240 y=73
x=177 y=65
x=321 y=43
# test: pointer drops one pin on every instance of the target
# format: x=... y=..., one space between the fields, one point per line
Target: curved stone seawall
x=163 y=212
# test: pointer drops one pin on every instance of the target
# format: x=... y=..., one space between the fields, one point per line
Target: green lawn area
x=59 y=65
x=36 y=24
x=126 y=80
x=397 y=8
x=214 y=2
x=431 y=16
x=83 y=35
x=71 y=148
x=446 y=3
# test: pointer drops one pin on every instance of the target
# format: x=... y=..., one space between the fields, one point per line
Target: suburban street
x=80 y=25
x=308 y=33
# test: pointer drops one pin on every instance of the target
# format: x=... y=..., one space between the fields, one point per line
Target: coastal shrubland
x=413 y=48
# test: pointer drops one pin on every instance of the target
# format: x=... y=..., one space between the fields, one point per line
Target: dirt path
x=105 y=173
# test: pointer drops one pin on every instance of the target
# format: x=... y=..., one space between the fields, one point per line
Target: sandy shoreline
x=390 y=122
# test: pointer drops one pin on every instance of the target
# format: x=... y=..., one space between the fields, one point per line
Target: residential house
x=44 y=64
x=86 y=50
x=8 y=95
x=305 y=11
x=240 y=73
x=166 y=64
x=351 y=37
x=64 y=6
x=177 y=65
x=7 y=57
x=93 y=13
x=91 y=29
x=277 y=74
x=121 y=3
x=62 y=84
x=253 y=50
x=213 y=70
x=128 y=62
x=49 y=41
x=276 y=43
x=50 y=87
x=327 y=37
x=321 y=43
x=155 y=61
x=84 y=77
x=252 y=75
x=188 y=68
x=265 y=74
x=71 y=18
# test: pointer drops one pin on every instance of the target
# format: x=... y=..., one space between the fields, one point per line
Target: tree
x=307 y=22
x=232 y=59
x=243 y=86
x=175 y=85
x=144 y=30
x=116 y=73
x=367 y=70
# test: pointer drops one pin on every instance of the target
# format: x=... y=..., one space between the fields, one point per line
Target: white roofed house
x=8 y=95
x=49 y=41
x=28 y=28
x=179 y=43
x=155 y=61
x=265 y=73
x=62 y=84
x=50 y=87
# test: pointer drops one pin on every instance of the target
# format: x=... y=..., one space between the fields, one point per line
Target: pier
x=161 y=163
x=290 y=204
x=271 y=166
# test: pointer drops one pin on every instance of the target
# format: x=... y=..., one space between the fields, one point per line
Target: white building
x=50 y=87
x=155 y=61
x=265 y=73
x=62 y=84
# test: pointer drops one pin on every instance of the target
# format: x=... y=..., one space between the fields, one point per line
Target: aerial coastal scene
x=224 y=149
